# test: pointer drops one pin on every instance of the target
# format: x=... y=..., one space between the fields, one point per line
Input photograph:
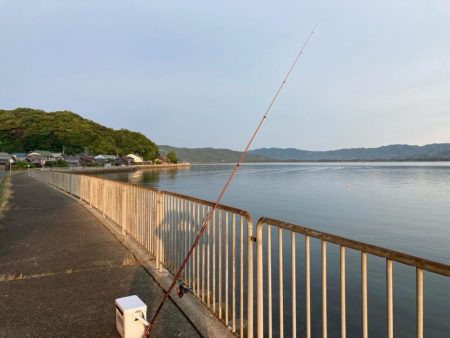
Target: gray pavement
x=61 y=270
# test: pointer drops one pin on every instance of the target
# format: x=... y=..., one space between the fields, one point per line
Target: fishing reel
x=183 y=289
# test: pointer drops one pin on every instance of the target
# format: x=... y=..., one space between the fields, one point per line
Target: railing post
x=80 y=189
x=280 y=281
x=419 y=300
x=91 y=188
x=124 y=211
x=307 y=286
x=250 y=279
x=389 y=299
x=158 y=233
x=365 y=330
x=103 y=185
x=324 y=290
x=259 y=281
x=294 y=286
x=343 y=300
x=152 y=240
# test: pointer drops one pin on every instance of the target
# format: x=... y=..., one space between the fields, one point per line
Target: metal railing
x=290 y=232
x=220 y=272
x=220 y=269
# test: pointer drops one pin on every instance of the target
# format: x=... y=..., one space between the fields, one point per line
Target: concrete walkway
x=61 y=270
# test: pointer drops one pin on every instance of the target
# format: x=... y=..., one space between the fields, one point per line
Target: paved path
x=61 y=270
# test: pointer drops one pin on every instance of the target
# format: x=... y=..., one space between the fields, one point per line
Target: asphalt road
x=61 y=270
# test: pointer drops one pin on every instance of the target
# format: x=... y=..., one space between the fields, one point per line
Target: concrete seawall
x=97 y=170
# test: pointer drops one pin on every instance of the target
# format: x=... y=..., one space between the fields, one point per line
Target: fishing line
x=225 y=187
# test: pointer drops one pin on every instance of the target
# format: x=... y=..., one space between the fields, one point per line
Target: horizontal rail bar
x=425 y=264
x=233 y=210
x=224 y=207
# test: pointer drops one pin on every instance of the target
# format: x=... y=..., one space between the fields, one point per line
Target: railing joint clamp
x=253 y=239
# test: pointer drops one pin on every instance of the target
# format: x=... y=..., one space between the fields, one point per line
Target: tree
x=172 y=157
x=24 y=129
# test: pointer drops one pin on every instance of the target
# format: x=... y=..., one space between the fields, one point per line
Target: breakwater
x=100 y=170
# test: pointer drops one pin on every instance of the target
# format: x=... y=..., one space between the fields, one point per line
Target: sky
x=201 y=73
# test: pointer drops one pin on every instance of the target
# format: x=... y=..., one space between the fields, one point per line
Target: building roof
x=134 y=156
x=105 y=157
x=5 y=155
x=42 y=152
x=20 y=156
x=72 y=158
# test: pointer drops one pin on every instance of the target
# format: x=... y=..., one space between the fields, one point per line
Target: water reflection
x=147 y=177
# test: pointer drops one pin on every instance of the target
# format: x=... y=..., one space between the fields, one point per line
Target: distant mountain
x=397 y=152
x=210 y=155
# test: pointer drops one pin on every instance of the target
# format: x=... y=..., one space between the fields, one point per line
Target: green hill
x=24 y=129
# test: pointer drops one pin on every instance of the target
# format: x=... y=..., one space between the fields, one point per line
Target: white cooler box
x=131 y=316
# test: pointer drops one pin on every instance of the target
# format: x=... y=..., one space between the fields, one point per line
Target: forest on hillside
x=25 y=129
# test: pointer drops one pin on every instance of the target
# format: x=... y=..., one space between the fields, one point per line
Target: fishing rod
x=225 y=187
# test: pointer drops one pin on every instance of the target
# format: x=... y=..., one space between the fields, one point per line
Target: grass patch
x=5 y=192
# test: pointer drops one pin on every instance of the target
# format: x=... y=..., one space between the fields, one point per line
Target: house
x=86 y=161
x=73 y=161
x=58 y=156
x=42 y=156
x=5 y=159
x=136 y=158
x=125 y=160
x=103 y=158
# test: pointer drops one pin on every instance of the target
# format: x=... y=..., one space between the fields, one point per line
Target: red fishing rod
x=225 y=187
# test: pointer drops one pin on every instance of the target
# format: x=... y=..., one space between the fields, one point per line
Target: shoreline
x=371 y=163
x=326 y=161
x=127 y=168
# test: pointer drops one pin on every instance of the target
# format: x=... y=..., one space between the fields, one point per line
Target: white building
x=136 y=158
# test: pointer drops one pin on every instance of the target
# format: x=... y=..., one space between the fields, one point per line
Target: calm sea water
x=400 y=206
